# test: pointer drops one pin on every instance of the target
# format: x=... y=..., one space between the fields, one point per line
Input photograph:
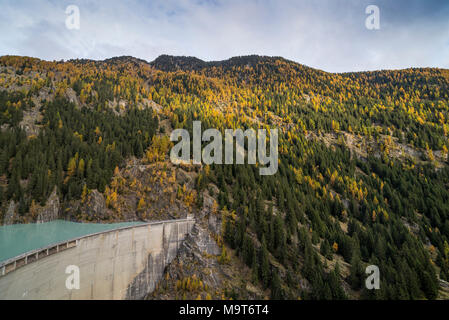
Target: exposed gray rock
x=199 y=251
x=51 y=209
x=214 y=223
x=70 y=94
x=10 y=213
x=182 y=177
x=203 y=241
x=4 y=127
x=95 y=205
x=150 y=103
x=444 y=284
x=31 y=117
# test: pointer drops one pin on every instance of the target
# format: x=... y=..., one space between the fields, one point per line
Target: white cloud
x=329 y=35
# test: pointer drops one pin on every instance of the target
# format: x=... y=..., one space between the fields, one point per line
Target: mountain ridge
x=179 y=62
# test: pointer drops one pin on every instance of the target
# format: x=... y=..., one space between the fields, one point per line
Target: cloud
x=325 y=34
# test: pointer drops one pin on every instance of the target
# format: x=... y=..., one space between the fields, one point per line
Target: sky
x=326 y=34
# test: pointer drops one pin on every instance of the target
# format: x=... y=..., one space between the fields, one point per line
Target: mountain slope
x=363 y=172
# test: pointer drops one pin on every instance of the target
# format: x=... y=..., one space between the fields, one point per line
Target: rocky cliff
x=50 y=211
x=10 y=214
x=205 y=268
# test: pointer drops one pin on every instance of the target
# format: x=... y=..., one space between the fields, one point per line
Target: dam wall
x=124 y=263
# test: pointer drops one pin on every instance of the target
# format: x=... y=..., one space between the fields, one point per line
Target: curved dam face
x=125 y=263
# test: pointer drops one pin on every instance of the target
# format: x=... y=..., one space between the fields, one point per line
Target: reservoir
x=17 y=239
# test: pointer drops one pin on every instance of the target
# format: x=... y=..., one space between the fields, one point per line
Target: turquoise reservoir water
x=20 y=238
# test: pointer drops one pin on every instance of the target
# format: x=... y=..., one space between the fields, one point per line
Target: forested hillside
x=363 y=171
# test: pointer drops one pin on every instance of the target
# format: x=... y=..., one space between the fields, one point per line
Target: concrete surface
x=120 y=264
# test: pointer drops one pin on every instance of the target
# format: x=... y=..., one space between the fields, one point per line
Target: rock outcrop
x=70 y=94
x=10 y=213
x=95 y=206
x=51 y=209
x=199 y=269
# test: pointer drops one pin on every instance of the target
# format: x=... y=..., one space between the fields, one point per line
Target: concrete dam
x=123 y=263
